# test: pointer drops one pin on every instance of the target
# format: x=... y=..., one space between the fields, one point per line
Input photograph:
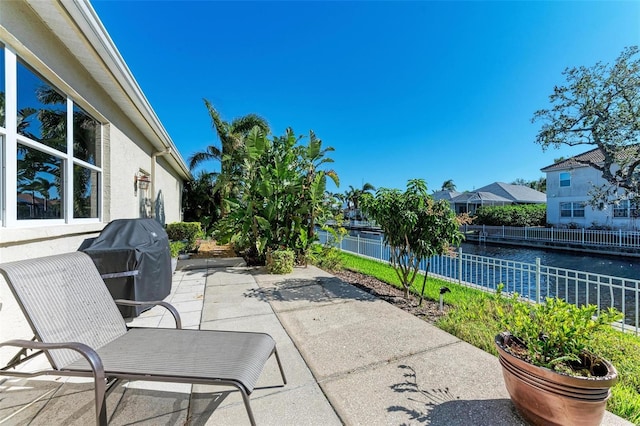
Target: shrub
x=175 y=247
x=326 y=257
x=280 y=261
x=513 y=215
x=188 y=232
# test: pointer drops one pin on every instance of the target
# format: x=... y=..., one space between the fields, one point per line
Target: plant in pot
x=175 y=248
x=548 y=371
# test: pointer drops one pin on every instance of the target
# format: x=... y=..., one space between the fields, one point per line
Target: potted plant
x=548 y=371
x=175 y=247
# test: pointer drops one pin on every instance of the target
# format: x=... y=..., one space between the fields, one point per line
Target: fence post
x=620 y=237
x=502 y=231
x=381 y=248
x=537 y=280
x=552 y=234
x=582 y=235
x=459 y=265
x=358 y=244
x=525 y=232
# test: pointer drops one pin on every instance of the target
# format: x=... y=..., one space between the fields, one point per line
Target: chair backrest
x=65 y=300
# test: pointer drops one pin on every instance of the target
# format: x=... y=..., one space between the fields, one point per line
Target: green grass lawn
x=473 y=318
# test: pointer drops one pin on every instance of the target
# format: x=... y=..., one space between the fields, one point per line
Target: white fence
x=532 y=280
x=582 y=236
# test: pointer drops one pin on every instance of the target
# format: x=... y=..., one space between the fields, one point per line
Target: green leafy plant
x=176 y=247
x=416 y=227
x=189 y=232
x=555 y=334
x=281 y=198
x=280 y=261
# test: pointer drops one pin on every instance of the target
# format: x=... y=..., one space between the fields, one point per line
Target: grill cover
x=136 y=251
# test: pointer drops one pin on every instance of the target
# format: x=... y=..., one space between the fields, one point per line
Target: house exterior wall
x=583 y=180
x=126 y=151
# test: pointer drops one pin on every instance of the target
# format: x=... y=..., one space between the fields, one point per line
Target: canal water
x=617 y=266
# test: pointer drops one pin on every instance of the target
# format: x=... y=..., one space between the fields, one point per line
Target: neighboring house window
x=625 y=209
x=58 y=148
x=571 y=209
x=565 y=179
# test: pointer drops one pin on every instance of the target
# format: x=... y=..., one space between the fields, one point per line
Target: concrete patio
x=349 y=358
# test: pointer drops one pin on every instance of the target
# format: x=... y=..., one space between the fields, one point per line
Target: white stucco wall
x=126 y=151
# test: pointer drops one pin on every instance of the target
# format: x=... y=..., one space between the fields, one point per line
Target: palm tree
x=230 y=153
x=448 y=185
x=353 y=196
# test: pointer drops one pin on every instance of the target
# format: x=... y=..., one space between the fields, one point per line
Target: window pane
x=85 y=192
x=86 y=137
x=39 y=181
x=565 y=179
x=622 y=209
x=578 y=210
x=2 y=90
x=42 y=111
x=565 y=209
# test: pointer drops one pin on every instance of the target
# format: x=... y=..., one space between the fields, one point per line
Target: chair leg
x=284 y=378
x=101 y=401
x=247 y=405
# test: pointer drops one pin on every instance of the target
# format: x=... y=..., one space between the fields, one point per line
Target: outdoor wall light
x=141 y=182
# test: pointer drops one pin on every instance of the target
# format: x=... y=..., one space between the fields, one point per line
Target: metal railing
x=531 y=280
x=592 y=237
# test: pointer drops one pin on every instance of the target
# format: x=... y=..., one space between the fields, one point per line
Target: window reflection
x=42 y=111
x=2 y=90
x=86 y=137
x=39 y=181
x=85 y=192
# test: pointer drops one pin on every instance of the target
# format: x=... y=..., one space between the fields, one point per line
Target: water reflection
x=618 y=266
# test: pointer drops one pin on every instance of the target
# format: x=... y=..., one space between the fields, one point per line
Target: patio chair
x=79 y=328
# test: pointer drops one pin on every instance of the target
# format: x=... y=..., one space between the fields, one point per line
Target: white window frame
x=8 y=195
x=574 y=206
x=567 y=179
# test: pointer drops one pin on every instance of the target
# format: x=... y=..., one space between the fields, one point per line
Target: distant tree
x=539 y=185
x=600 y=106
x=415 y=227
x=448 y=185
x=353 y=195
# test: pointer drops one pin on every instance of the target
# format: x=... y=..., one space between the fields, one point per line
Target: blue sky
x=401 y=90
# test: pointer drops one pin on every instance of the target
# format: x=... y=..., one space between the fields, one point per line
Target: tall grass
x=472 y=317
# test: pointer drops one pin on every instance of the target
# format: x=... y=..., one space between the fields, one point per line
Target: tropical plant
x=231 y=152
x=352 y=197
x=200 y=202
x=448 y=185
x=281 y=195
x=600 y=106
x=415 y=227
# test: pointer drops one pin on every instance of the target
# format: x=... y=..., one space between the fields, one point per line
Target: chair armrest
x=87 y=352
x=167 y=306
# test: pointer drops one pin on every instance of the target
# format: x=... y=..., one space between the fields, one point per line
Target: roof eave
x=115 y=75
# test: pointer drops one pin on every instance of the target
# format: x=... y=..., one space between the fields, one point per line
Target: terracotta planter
x=545 y=397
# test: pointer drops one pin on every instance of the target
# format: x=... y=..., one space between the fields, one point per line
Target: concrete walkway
x=349 y=358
